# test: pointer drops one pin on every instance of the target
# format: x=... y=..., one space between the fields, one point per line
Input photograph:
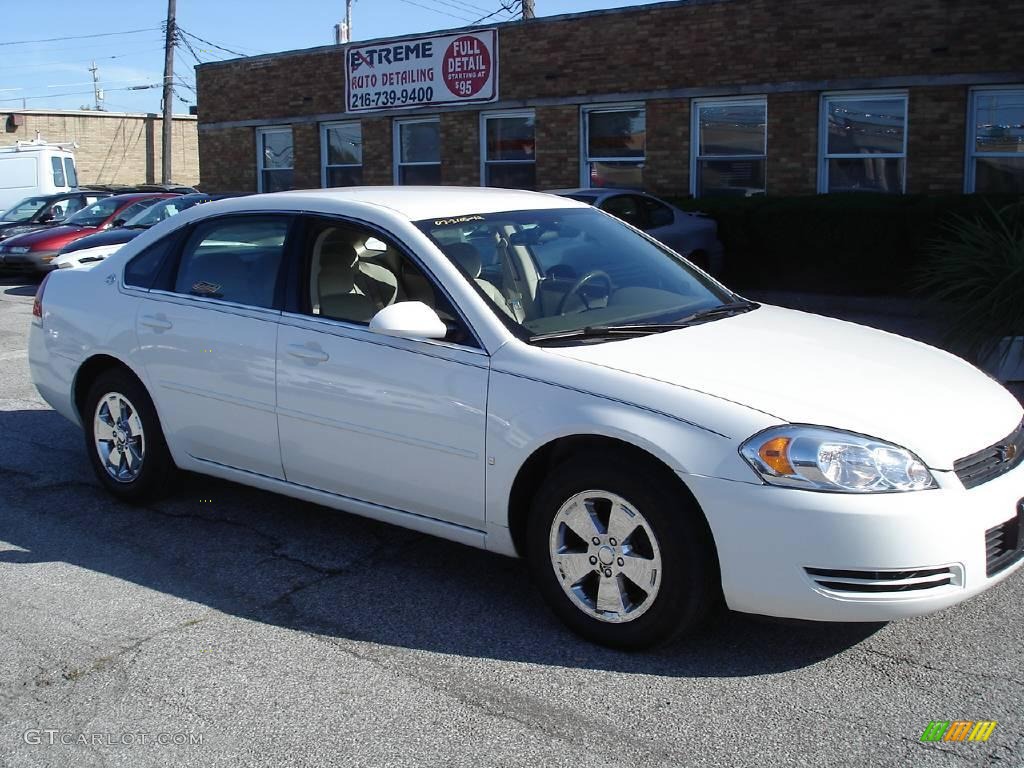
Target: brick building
x=113 y=147
x=704 y=97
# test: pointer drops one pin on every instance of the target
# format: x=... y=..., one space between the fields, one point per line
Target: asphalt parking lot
x=244 y=628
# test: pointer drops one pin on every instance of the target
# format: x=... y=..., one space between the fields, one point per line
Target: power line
x=436 y=10
x=207 y=42
x=125 y=55
x=78 y=37
x=82 y=93
x=509 y=7
x=458 y=5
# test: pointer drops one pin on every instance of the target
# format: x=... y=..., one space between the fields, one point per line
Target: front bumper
x=33 y=261
x=846 y=557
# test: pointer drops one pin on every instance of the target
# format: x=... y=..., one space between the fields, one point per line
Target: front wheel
x=618 y=554
x=123 y=438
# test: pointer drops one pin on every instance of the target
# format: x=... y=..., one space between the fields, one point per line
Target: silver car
x=694 y=235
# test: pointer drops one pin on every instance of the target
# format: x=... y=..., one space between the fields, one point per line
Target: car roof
x=414 y=203
x=598 y=191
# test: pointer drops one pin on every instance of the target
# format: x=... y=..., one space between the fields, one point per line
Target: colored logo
x=958 y=730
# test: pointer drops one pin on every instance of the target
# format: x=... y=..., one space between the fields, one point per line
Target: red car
x=34 y=251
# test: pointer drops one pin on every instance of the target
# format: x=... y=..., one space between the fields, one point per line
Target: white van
x=35 y=168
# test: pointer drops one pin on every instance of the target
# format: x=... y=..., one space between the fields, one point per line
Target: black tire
x=157 y=467
x=690 y=583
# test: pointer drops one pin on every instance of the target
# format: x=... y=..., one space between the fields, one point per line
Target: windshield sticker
x=459 y=220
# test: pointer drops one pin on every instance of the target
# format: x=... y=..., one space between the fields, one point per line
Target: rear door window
x=70 y=172
x=58 y=172
x=236 y=259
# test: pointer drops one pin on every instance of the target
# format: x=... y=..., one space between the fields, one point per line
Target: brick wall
x=228 y=160
x=790 y=50
x=558 y=146
x=113 y=148
x=792 y=143
x=935 y=139
x=460 y=148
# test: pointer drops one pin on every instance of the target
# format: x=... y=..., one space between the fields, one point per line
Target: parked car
x=649 y=441
x=691 y=234
x=34 y=168
x=34 y=251
x=94 y=248
x=43 y=211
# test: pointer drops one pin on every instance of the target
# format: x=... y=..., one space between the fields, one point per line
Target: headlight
x=821 y=459
x=19 y=249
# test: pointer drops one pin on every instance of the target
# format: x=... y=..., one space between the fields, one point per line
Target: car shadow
x=21 y=285
x=291 y=564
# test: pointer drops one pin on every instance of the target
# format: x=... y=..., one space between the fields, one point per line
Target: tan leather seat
x=348 y=287
x=468 y=257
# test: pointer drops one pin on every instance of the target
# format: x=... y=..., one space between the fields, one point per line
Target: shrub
x=853 y=244
x=976 y=269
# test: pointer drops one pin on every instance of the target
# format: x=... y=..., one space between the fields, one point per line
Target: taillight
x=37 y=305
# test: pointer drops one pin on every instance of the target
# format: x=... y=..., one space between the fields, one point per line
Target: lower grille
x=993 y=461
x=875 y=582
x=1003 y=544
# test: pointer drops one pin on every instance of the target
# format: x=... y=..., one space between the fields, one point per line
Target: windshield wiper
x=640 y=329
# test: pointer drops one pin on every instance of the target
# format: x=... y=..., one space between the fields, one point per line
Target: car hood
x=53 y=237
x=117 y=236
x=13 y=229
x=807 y=369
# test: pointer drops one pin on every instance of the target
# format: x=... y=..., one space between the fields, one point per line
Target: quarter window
x=509 y=150
x=995 y=148
x=236 y=259
x=730 y=148
x=58 y=172
x=418 y=151
x=274 y=159
x=71 y=172
x=614 y=147
x=864 y=143
x=341 y=147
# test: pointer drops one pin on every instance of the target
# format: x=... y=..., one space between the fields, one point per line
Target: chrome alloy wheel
x=605 y=556
x=119 y=438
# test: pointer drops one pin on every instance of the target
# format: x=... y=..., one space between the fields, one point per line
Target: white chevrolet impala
x=526 y=374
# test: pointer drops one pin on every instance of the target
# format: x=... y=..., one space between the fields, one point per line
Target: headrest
x=335 y=277
x=335 y=245
x=466 y=256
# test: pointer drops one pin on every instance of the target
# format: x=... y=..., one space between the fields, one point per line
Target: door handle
x=308 y=353
x=159 y=323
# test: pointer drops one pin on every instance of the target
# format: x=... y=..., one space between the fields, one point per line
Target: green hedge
x=853 y=244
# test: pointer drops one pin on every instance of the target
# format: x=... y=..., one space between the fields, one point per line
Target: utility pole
x=168 y=105
x=97 y=94
x=343 y=31
x=528 y=9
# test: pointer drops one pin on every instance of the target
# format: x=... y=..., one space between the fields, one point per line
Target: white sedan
x=526 y=374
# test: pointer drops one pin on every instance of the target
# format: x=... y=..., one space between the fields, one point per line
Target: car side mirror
x=409 y=320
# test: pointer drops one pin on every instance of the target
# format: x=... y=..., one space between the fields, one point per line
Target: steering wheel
x=577 y=287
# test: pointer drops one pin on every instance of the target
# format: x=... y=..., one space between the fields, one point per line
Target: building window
x=274 y=159
x=995 y=142
x=730 y=147
x=418 y=151
x=614 y=141
x=341 y=152
x=508 y=150
x=864 y=143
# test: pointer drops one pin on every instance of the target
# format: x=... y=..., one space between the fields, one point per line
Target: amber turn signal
x=773 y=453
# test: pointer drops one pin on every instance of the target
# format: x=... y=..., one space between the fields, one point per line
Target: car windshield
x=157 y=213
x=97 y=213
x=26 y=209
x=565 y=270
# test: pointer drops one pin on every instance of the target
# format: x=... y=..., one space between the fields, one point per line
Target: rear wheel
x=124 y=440
x=619 y=556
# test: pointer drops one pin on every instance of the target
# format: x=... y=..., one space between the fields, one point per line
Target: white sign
x=422 y=71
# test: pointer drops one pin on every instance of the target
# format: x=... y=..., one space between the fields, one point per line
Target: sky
x=55 y=74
